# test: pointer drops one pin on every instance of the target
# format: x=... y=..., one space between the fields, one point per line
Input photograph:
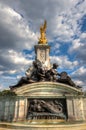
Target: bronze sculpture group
x=38 y=74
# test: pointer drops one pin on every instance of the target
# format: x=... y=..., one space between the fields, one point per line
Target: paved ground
x=71 y=128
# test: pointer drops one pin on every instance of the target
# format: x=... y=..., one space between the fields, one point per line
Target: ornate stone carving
x=46 y=109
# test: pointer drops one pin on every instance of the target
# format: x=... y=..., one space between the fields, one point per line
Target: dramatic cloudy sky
x=19 y=32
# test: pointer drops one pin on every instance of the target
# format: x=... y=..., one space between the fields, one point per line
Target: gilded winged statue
x=43 y=39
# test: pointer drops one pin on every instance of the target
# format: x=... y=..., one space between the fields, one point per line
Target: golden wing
x=45 y=25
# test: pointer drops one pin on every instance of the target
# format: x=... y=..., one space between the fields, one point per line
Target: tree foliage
x=7 y=93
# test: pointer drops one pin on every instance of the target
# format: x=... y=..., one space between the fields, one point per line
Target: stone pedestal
x=21 y=113
x=16 y=110
x=42 y=54
x=20 y=109
x=75 y=108
x=51 y=90
x=84 y=106
x=70 y=109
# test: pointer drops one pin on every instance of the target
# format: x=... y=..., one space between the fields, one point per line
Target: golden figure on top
x=43 y=39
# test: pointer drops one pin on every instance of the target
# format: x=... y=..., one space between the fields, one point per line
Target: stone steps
x=18 y=126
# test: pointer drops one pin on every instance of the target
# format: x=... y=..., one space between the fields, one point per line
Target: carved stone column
x=82 y=109
x=25 y=107
x=70 y=109
x=16 y=110
x=21 y=114
x=84 y=106
x=75 y=108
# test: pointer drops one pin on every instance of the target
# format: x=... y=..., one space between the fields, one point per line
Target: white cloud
x=79 y=76
x=61 y=15
x=79 y=47
x=17 y=58
x=64 y=62
x=83 y=36
x=13 y=63
x=79 y=83
x=1 y=72
x=12 y=71
x=1 y=87
x=18 y=34
x=81 y=71
x=76 y=44
x=19 y=29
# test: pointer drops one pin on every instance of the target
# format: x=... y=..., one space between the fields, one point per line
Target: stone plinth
x=17 y=126
x=53 y=90
x=42 y=54
x=16 y=109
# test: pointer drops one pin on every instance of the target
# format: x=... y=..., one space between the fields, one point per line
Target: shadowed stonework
x=47 y=109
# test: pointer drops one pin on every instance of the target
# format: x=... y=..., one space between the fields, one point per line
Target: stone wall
x=20 y=109
x=15 y=109
x=7 y=106
x=84 y=107
x=76 y=107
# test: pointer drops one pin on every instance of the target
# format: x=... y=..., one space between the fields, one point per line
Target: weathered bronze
x=64 y=78
x=37 y=74
x=47 y=109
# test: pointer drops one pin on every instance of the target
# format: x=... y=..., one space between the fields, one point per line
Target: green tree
x=7 y=93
